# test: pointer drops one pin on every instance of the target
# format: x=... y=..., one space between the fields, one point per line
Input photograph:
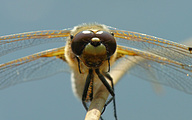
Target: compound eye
x=80 y=40
x=108 y=40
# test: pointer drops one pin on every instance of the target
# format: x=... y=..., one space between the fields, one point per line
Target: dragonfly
x=91 y=51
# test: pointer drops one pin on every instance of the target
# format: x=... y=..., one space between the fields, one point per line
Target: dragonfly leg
x=109 y=88
x=109 y=65
x=78 y=64
x=107 y=75
x=86 y=87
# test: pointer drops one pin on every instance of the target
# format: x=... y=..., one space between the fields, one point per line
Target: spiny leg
x=109 y=88
x=78 y=64
x=107 y=75
x=104 y=81
x=109 y=65
x=86 y=87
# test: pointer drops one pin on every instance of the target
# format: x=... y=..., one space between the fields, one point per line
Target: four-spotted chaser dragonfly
x=91 y=50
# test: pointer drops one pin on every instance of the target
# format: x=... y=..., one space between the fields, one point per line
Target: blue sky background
x=52 y=98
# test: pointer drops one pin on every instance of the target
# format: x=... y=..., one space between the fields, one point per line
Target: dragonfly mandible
x=93 y=49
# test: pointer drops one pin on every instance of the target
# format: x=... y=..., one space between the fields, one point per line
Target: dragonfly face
x=90 y=50
x=93 y=46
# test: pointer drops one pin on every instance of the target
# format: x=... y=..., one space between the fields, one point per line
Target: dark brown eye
x=80 y=40
x=108 y=40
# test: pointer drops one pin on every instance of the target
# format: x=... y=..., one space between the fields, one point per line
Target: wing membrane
x=158 y=46
x=33 y=67
x=14 y=42
x=154 y=68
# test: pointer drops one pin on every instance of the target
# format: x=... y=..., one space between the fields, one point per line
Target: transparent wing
x=14 y=42
x=159 y=69
x=158 y=46
x=33 y=67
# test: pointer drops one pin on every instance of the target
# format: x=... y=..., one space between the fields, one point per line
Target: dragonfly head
x=93 y=46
